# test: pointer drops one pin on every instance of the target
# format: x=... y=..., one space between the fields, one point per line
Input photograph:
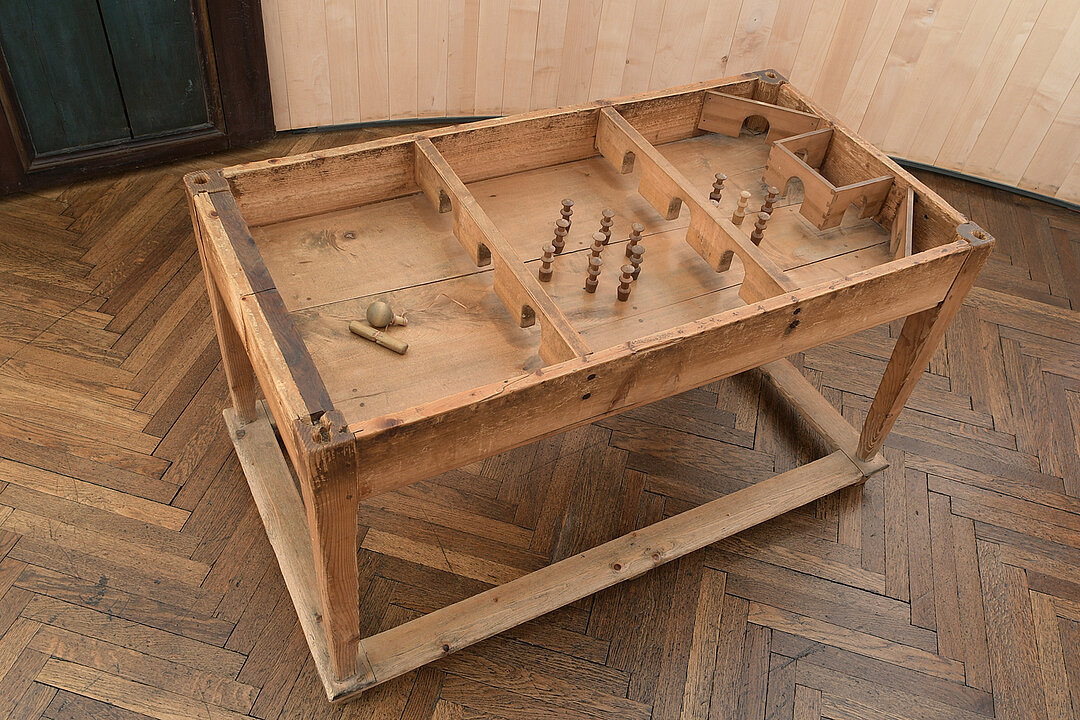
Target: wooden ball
x=379 y=314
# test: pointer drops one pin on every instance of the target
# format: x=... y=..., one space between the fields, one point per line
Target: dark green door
x=88 y=73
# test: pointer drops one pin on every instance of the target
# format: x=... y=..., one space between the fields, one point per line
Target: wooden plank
x=725 y=114
x=372 y=59
x=327 y=180
x=856 y=642
x=518 y=290
x=1014 y=661
x=584 y=390
x=157 y=97
x=714 y=237
x=492 y=41
x=396 y=651
x=341 y=57
x=521 y=39
x=902 y=225
x=307 y=73
x=1051 y=657
x=84 y=106
x=112 y=689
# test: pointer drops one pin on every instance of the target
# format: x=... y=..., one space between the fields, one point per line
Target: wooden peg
x=635 y=259
x=594 y=274
x=567 y=211
x=718 y=188
x=607 y=219
x=545 y=263
x=635 y=238
x=771 y=194
x=759 y=228
x=625 y=279
x=598 y=243
x=562 y=226
x=740 y=210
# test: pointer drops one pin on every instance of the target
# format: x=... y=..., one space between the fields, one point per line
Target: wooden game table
x=449 y=226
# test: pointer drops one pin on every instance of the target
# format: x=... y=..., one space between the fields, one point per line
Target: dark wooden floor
x=136 y=580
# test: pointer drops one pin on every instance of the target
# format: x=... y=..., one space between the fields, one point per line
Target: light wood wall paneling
x=985 y=87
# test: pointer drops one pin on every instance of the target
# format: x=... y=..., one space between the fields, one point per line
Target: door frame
x=232 y=51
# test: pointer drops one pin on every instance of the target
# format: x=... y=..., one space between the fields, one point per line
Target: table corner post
x=328 y=483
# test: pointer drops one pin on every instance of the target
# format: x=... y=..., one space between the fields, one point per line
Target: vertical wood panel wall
x=985 y=87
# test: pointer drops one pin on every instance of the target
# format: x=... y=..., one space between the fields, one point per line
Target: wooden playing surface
x=329 y=267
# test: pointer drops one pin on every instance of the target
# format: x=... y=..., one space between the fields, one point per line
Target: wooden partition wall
x=985 y=87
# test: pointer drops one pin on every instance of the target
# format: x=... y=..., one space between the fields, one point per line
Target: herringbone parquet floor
x=136 y=580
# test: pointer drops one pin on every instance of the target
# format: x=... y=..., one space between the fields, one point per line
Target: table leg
x=919 y=338
x=328 y=483
x=238 y=371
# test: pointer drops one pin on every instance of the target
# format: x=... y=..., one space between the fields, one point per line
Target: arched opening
x=793 y=192
x=754 y=125
x=528 y=316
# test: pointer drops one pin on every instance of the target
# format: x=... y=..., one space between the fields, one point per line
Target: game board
x=527 y=316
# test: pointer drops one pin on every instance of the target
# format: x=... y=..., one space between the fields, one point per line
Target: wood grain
x=198 y=620
x=983 y=87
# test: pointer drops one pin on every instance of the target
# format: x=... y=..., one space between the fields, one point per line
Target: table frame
x=313 y=530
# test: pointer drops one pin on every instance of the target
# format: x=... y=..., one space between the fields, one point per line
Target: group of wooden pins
x=761 y=219
x=635 y=251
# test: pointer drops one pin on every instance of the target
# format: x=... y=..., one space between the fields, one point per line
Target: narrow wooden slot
x=820 y=414
x=824 y=204
x=516 y=288
x=902 y=224
x=725 y=114
x=713 y=236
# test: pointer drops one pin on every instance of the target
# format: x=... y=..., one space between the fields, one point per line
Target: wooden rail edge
x=713 y=236
x=516 y=288
x=394 y=652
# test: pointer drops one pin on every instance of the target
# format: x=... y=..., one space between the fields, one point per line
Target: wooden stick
x=396 y=651
x=770 y=198
x=379 y=337
x=635 y=259
x=562 y=227
x=598 y=244
x=635 y=238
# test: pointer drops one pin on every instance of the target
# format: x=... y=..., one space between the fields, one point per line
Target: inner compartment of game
x=460 y=334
